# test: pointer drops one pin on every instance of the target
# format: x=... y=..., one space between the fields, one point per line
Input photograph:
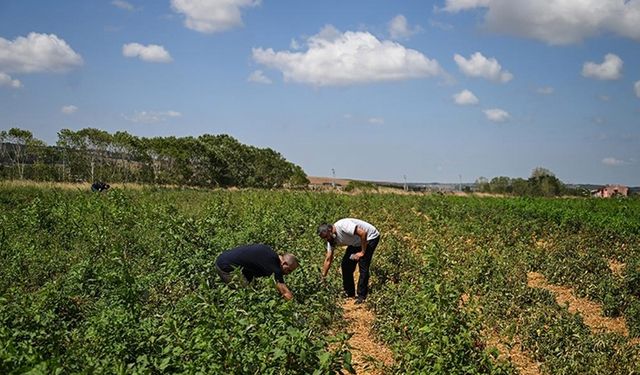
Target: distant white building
x=610 y=191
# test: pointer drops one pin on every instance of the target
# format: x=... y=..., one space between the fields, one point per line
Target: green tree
x=544 y=183
x=19 y=142
x=96 y=143
x=482 y=185
x=501 y=185
x=124 y=145
x=520 y=186
x=298 y=178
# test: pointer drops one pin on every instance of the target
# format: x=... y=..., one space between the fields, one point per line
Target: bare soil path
x=368 y=355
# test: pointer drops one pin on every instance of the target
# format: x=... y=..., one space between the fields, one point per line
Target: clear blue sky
x=375 y=89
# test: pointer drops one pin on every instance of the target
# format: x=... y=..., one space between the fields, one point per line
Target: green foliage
x=542 y=183
x=91 y=154
x=124 y=282
x=354 y=185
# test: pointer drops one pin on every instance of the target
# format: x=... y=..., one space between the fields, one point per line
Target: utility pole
x=406 y=188
x=460 y=181
x=333 y=182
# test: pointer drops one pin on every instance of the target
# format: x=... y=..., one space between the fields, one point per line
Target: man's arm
x=363 y=243
x=328 y=259
x=286 y=293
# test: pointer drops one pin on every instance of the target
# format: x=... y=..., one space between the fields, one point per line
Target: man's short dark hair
x=324 y=228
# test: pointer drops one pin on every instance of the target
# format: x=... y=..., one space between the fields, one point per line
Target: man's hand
x=282 y=288
x=357 y=256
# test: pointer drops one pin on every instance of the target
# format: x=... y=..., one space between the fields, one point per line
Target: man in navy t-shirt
x=257 y=260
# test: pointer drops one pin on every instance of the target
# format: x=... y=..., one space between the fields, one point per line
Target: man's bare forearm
x=325 y=267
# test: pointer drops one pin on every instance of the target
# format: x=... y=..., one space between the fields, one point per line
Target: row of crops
x=482 y=250
x=124 y=282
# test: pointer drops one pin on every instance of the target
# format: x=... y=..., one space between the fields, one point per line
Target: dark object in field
x=99 y=186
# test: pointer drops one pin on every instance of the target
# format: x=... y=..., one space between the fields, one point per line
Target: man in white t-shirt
x=361 y=239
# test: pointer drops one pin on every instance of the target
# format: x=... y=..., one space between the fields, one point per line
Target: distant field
x=123 y=282
x=327 y=180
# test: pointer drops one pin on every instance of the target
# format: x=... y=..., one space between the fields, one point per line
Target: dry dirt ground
x=367 y=354
x=369 y=357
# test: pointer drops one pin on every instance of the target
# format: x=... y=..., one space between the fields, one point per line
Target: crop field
x=124 y=282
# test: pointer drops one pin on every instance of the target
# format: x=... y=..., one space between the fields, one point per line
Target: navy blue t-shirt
x=254 y=260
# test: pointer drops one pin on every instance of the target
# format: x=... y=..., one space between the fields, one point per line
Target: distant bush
x=360 y=185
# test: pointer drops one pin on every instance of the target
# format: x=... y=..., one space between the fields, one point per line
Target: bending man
x=257 y=261
x=361 y=239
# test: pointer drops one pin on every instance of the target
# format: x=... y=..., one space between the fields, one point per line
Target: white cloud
x=610 y=69
x=465 y=97
x=151 y=53
x=496 y=115
x=294 y=45
x=7 y=80
x=547 y=90
x=259 y=77
x=559 y=21
x=210 y=16
x=376 y=121
x=151 y=117
x=123 y=5
x=69 y=109
x=37 y=53
x=338 y=59
x=399 y=28
x=480 y=66
x=612 y=162
x=458 y=5
x=604 y=98
x=636 y=87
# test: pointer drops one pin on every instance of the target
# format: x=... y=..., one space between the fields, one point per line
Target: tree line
x=541 y=183
x=91 y=154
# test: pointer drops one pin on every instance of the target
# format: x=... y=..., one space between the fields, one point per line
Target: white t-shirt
x=345 y=232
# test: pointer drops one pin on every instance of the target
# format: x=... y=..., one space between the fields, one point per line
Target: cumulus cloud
x=399 y=28
x=151 y=117
x=547 y=90
x=208 y=16
x=151 y=53
x=37 y=53
x=69 y=109
x=612 y=162
x=376 y=121
x=636 y=87
x=557 y=22
x=480 y=66
x=7 y=80
x=610 y=69
x=496 y=115
x=465 y=97
x=123 y=5
x=259 y=77
x=333 y=58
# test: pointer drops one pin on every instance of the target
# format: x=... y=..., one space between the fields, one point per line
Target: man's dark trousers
x=349 y=266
